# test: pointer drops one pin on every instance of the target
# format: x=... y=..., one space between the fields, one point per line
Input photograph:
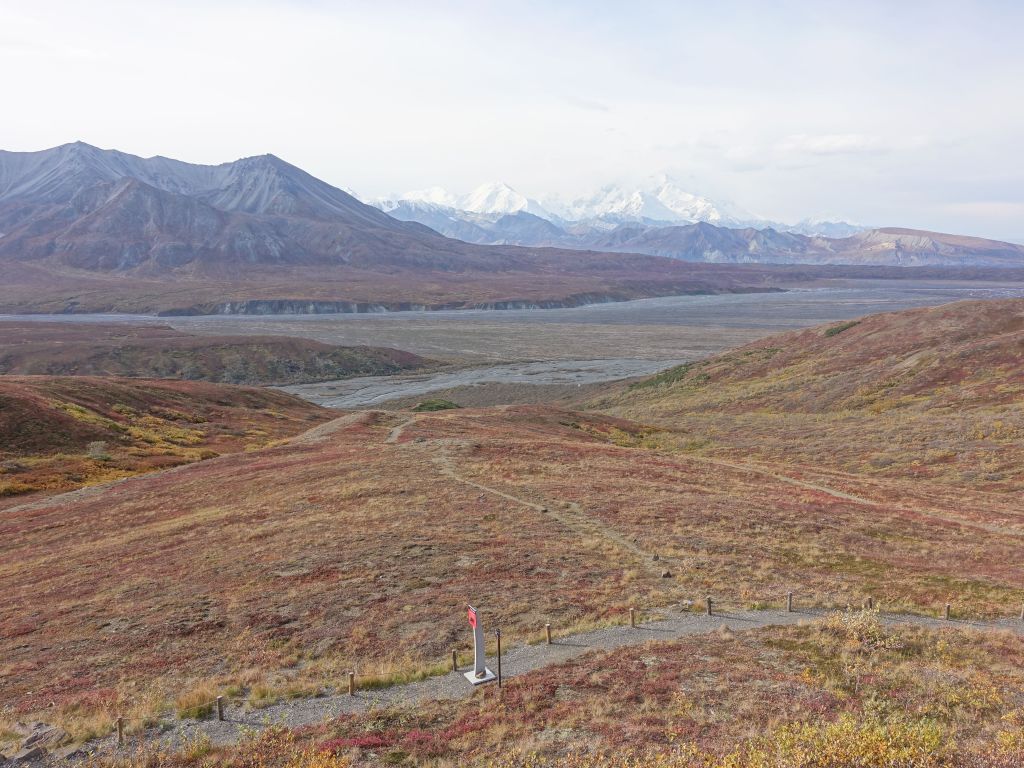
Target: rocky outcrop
x=38 y=739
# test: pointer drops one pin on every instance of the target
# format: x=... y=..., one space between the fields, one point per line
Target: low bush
x=835 y=330
x=438 y=404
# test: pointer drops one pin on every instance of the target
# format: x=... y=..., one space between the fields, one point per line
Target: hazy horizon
x=885 y=116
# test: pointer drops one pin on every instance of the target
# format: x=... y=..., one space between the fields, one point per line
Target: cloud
x=833 y=144
x=591 y=104
x=988 y=209
x=786 y=107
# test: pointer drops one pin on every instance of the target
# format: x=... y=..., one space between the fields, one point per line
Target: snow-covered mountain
x=495 y=213
x=490 y=200
x=433 y=196
x=499 y=198
x=659 y=200
x=822 y=228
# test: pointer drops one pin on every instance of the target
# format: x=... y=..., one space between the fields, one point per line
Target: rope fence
x=217 y=704
x=203 y=708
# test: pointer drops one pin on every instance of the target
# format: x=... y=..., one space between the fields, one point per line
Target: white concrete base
x=488 y=676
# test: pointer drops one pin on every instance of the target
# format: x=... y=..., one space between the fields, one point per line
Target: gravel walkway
x=515 y=661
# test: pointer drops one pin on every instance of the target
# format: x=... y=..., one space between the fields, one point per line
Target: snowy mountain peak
x=499 y=198
x=690 y=207
x=619 y=204
x=659 y=199
x=433 y=196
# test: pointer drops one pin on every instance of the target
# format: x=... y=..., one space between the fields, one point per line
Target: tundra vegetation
x=796 y=464
x=159 y=351
x=929 y=396
x=842 y=691
x=62 y=433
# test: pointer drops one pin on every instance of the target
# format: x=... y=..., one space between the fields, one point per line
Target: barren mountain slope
x=90 y=229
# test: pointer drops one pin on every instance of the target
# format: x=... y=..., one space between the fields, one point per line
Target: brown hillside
x=358 y=545
x=159 y=351
x=936 y=392
x=59 y=433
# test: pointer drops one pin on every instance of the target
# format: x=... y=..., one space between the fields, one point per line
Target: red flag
x=471 y=613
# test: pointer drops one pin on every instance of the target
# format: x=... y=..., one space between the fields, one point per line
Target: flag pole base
x=488 y=677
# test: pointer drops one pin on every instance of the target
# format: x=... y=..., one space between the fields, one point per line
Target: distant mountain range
x=662 y=219
x=85 y=229
x=659 y=202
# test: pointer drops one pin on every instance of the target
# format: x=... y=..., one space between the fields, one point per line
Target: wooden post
x=789 y=602
x=351 y=683
x=497 y=634
x=547 y=631
x=632 y=617
x=946 y=613
x=220 y=707
x=455 y=660
x=871 y=603
x=120 y=731
x=1022 y=613
x=709 y=605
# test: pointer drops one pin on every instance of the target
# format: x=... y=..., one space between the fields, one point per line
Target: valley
x=666 y=328
x=576 y=435
x=506 y=383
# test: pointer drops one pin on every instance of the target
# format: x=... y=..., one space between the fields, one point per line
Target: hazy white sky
x=891 y=113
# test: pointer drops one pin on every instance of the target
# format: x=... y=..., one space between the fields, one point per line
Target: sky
x=890 y=113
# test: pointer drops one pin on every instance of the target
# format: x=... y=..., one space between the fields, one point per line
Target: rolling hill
x=877 y=457
x=890 y=246
x=60 y=433
x=358 y=544
x=159 y=351
x=935 y=393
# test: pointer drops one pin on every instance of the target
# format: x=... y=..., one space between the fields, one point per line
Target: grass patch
x=436 y=404
x=196 y=703
x=835 y=330
x=665 y=378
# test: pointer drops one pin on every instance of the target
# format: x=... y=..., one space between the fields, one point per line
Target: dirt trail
x=323 y=431
x=569 y=514
x=396 y=432
x=836 y=493
x=517 y=661
x=743 y=467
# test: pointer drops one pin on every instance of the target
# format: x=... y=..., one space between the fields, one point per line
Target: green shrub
x=835 y=330
x=437 y=404
x=671 y=376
